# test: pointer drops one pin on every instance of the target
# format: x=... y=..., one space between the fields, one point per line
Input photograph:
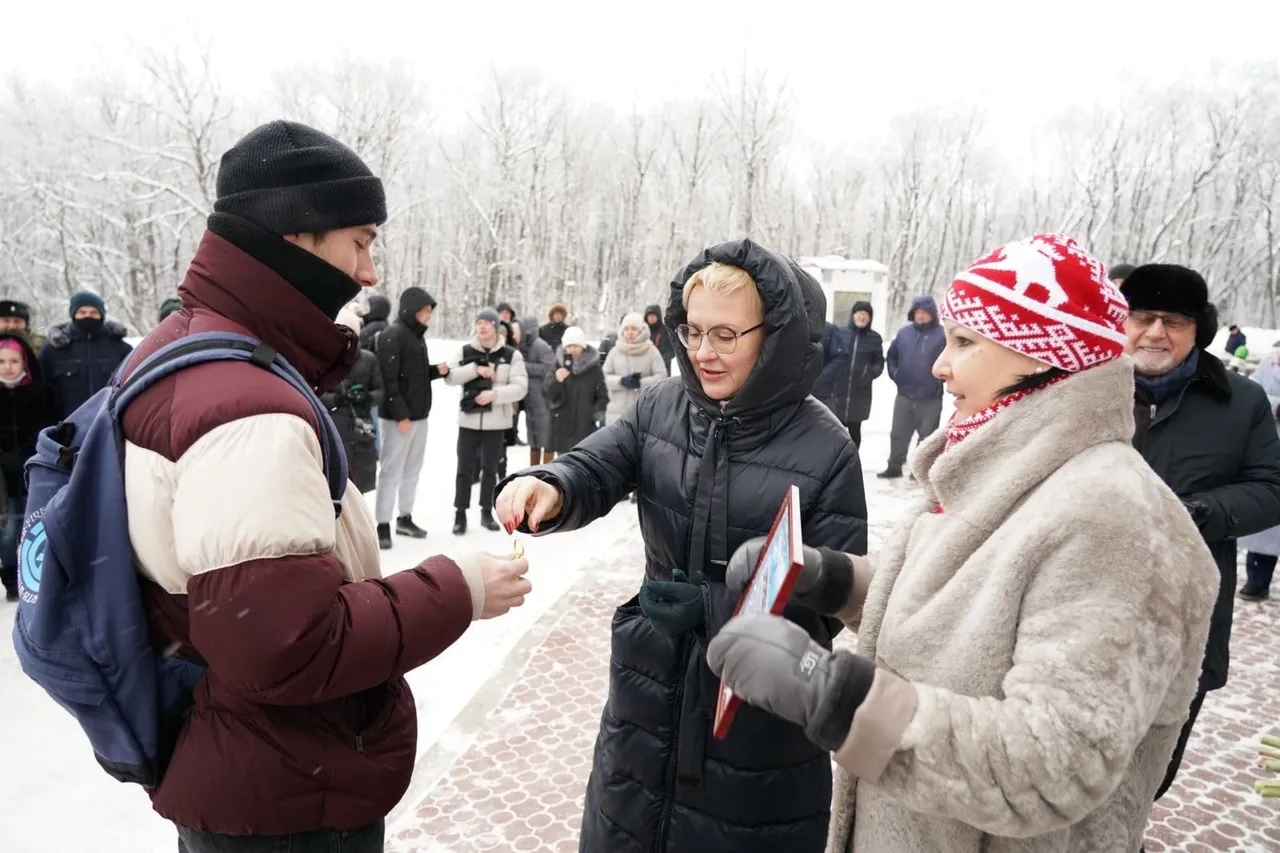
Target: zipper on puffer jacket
x=669 y=796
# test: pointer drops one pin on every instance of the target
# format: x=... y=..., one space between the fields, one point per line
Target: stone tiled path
x=1212 y=805
x=515 y=781
x=519 y=786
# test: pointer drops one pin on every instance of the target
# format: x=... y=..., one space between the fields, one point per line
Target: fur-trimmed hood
x=63 y=334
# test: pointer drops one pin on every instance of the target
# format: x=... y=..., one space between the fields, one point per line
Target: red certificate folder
x=770 y=585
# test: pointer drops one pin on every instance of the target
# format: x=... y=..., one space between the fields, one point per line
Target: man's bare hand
x=505 y=584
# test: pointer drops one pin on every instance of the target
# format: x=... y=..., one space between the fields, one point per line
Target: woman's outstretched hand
x=527 y=498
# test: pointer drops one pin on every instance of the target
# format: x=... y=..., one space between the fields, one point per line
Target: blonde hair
x=724 y=279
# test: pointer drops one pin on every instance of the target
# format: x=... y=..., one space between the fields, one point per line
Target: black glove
x=1199 y=510
x=631 y=380
x=774 y=664
x=825 y=583
x=357 y=396
x=676 y=606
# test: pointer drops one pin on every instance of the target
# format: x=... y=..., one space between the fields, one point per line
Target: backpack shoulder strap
x=226 y=346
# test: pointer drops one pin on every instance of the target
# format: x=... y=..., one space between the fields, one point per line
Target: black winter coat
x=407 y=371
x=707 y=480
x=1215 y=444
x=661 y=337
x=375 y=321
x=855 y=359
x=355 y=419
x=24 y=412
x=79 y=366
x=553 y=333
x=575 y=401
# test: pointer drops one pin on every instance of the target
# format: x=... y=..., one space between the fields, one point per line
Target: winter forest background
x=541 y=195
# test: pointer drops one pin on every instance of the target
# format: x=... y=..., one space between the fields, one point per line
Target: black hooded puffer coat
x=708 y=480
x=407 y=371
x=375 y=321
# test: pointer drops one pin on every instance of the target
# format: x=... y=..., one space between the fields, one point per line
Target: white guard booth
x=846 y=281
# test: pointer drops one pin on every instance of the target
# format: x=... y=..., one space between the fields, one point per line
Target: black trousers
x=1176 y=760
x=367 y=839
x=485 y=447
x=855 y=432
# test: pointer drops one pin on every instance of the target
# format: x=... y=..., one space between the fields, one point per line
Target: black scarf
x=1159 y=389
x=325 y=286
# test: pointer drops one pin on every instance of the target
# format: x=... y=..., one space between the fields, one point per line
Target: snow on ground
x=50 y=775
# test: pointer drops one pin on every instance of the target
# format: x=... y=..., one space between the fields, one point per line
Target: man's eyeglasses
x=723 y=339
x=1172 y=322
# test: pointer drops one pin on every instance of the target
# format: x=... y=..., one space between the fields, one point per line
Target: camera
x=475 y=386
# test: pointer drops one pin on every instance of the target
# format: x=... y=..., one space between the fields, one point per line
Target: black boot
x=486 y=520
x=1249 y=592
x=384 y=536
x=893 y=472
x=459 y=522
x=406 y=527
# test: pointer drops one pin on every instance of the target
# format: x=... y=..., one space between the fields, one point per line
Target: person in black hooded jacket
x=375 y=321
x=711 y=457
x=847 y=377
x=659 y=335
x=27 y=405
x=406 y=380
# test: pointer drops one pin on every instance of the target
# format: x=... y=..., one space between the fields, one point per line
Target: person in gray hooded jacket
x=493 y=381
x=539 y=364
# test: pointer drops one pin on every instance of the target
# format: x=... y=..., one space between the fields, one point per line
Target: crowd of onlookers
x=566 y=388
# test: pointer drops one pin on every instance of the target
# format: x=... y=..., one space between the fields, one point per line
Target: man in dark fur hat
x=1208 y=433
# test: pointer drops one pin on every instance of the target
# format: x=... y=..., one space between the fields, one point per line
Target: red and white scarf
x=960 y=429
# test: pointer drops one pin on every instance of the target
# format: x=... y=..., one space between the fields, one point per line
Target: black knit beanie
x=1120 y=271
x=170 y=306
x=288 y=178
x=1169 y=287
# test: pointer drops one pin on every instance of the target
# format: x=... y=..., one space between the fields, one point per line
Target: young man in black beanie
x=1208 y=433
x=301 y=734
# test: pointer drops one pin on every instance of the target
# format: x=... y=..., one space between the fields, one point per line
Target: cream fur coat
x=1051 y=622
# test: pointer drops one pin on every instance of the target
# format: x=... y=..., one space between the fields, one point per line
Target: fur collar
x=982 y=478
x=64 y=333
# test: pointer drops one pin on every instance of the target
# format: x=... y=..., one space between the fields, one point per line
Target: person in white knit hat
x=632 y=365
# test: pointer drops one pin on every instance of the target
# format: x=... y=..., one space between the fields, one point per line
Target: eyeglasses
x=1172 y=322
x=723 y=339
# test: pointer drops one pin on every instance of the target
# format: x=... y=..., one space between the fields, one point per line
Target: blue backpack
x=81 y=632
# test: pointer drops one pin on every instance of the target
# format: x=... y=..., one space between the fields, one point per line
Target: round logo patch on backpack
x=31 y=557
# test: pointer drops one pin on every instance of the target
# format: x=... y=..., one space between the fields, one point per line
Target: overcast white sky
x=851 y=66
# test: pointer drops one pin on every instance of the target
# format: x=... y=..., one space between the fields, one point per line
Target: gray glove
x=825 y=583
x=773 y=664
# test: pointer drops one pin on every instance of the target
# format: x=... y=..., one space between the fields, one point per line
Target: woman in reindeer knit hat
x=1029 y=639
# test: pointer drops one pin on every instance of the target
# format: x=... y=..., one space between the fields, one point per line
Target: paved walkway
x=512 y=779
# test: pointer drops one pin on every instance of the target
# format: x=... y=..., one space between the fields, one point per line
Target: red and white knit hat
x=1044 y=297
